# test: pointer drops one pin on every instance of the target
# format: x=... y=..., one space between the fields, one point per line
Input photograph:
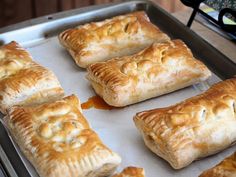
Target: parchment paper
x=116 y=127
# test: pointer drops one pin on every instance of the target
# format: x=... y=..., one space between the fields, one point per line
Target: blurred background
x=13 y=11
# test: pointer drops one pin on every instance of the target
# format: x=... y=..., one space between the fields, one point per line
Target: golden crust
x=131 y=172
x=24 y=82
x=58 y=140
x=226 y=168
x=195 y=128
x=158 y=69
x=115 y=37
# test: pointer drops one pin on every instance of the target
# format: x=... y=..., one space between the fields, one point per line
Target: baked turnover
x=195 y=128
x=24 y=82
x=58 y=140
x=131 y=172
x=157 y=70
x=115 y=37
x=226 y=168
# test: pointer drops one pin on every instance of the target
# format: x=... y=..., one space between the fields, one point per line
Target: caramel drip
x=96 y=102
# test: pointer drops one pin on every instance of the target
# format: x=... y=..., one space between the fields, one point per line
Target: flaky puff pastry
x=159 y=69
x=131 y=172
x=58 y=140
x=195 y=128
x=24 y=82
x=226 y=168
x=115 y=37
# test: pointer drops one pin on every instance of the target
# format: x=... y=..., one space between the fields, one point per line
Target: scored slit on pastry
x=23 y=81
x=58 y=140
x=159 y=69
x=119 y=36
x=195 y=128
x=226 y=168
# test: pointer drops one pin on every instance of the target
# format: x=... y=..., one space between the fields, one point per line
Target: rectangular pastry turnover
x=24 y=82
x=193 y=129
x=159 y=69
x=58 y=140
x=226 y=168
x=115 y=37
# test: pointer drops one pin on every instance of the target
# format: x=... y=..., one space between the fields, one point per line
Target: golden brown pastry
x=226 y=168
x=24 y=82
x=115 y=37
x=131 y=172
x=195 y=128
x=58 y=140
x=157 y=70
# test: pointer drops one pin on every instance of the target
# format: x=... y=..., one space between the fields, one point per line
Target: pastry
x=58 y=140
x=159 y=69
x=226 y=168
x=195 y=128
x=115 y=37
x=24 y=82
x=131 y=172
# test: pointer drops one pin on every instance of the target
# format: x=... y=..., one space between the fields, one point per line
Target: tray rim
x=63 y=14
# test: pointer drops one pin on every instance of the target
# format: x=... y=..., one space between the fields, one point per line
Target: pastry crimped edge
x=77 y=42
x=226 y=168
x=99 y=161
x=185 y=132
x=112 y=81
x=25 y=82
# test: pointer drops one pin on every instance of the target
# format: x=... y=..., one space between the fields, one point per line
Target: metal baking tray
x=115 y=127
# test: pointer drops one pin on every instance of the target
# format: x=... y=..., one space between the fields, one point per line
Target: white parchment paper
x=116 y=127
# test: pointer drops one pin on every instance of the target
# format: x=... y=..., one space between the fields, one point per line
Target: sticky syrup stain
x=96 y=102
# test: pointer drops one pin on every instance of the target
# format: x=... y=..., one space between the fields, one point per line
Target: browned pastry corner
x=24 y=82
x=131 y=172
x=119 y=36
x=159 y=69
x=226 y=168
x=58 y=140
x=193 y=129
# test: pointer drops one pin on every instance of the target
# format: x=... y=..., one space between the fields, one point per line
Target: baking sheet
x=116 y=127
